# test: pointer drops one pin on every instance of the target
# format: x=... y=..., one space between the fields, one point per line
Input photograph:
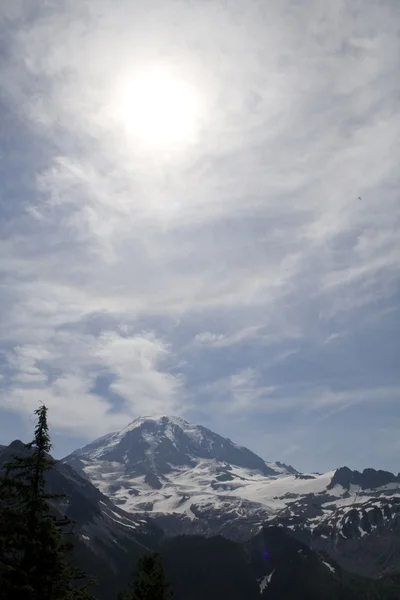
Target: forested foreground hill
x=272 y=565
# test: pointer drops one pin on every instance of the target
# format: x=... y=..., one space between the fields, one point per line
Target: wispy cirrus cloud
x=214 y=274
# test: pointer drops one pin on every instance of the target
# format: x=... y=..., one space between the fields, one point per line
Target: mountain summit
x=158 y=445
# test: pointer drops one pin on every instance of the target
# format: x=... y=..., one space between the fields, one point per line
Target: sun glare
x=157 y=108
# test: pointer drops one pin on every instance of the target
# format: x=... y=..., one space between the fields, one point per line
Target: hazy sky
x=203 y=252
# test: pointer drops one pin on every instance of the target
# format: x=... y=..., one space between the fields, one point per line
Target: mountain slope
x=272 y=565
x=103 y=533
x=193 y=481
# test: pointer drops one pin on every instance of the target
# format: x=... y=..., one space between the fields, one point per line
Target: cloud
x=239 y=271
x=209 y=338
x=220 y=340
x=64 y=372
x=239 y=392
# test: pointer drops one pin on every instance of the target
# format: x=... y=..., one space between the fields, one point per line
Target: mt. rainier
x=191 y=480
x=167 y=466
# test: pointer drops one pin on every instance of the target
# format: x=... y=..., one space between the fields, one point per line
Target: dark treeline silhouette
x=35 y=549
x=34 y=556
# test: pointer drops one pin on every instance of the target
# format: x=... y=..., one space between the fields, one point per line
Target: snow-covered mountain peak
x=192 y=480
x=164 y=463
x=169 y=426
x=160 y=444
x=159 y=420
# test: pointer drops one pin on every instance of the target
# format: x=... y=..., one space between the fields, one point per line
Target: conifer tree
x=33 y=557
x=149 y=581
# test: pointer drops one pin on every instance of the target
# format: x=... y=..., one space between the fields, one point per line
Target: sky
x=200 y=216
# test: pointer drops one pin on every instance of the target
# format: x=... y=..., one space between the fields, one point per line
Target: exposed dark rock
x=368 y=479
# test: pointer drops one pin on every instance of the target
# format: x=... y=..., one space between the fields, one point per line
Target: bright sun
x=157 y=108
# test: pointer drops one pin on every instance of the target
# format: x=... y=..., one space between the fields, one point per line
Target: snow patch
x=332 y=569
x=122 y=523
x=264 y=581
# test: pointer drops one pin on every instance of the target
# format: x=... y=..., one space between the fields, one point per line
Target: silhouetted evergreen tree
x=149 y=581
x=33 y=558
